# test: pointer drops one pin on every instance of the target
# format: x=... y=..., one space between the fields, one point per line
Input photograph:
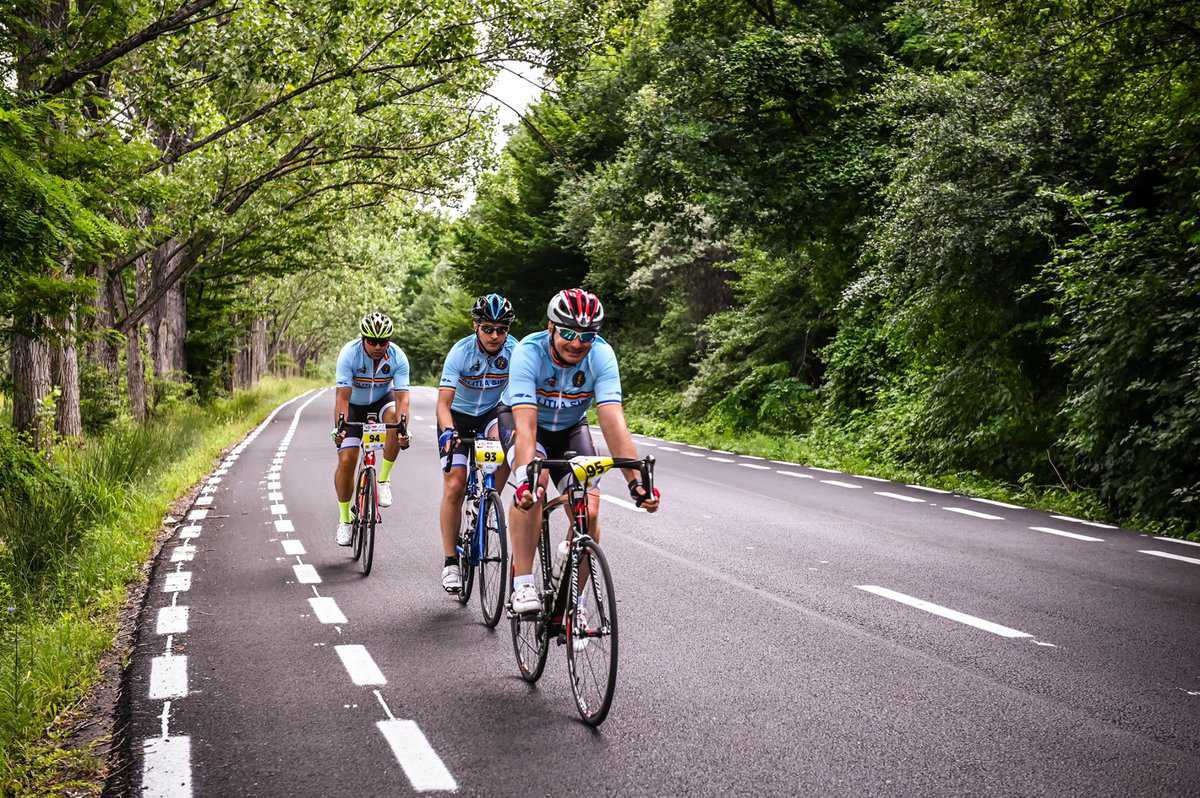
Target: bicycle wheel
x=466 y=571
x=531 y=637
x=356 y=535
x=493 y=567
x=367 y=521
x=592 y=640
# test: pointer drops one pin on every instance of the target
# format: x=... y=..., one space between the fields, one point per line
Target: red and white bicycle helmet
x=577 y=309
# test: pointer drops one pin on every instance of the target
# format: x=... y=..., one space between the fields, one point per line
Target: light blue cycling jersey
x=562 y=393
x=370 y=381
x=476 y=377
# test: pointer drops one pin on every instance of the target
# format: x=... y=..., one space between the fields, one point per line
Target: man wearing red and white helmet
x=554 y=377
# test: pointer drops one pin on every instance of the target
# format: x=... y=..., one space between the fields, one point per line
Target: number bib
x=373 y=436
x=489 y=455
x=589 y=469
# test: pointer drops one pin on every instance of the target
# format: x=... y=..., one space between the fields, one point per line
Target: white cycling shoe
x=385 y=494
x=343 y=534
x=525 y=599
x=579 y=639
x=451 y=579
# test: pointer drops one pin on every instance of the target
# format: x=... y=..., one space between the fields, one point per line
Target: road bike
x=483 y=537
x=579 y=607
x=364 y=510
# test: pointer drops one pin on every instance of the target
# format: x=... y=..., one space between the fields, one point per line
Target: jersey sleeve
x=608 y=378
x=522 y=376
x=344 y=373
x=450 y=369
x=400 y=372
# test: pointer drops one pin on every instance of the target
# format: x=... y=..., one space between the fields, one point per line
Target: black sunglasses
x=488 y=329
x=377 y=341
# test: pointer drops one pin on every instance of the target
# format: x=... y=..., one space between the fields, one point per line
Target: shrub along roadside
x=861 y=446
x=74 y=533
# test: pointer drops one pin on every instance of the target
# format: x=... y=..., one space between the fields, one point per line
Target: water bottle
x=560 y=563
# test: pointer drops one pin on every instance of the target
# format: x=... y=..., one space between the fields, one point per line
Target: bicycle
x=585 y=623
x=364 y=511
x=483 y=535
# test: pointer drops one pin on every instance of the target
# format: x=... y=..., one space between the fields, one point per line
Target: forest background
x=954 y=240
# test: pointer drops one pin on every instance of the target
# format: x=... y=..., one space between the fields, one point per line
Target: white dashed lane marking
x=995 y=503
x=1178 y=540
x=755 y=465
x=931 y=490
x=973 y=513
x=178 y=582
x=292 y=546
x=945 y=612
x=167 y=767
x=327 y=610
x=172 y=621
x=621 y=503
x=424 y=768
x=285 y=525
x=306 y=574
x=1063 y=534
x=837 y=484
x=795 y=474
x=899 y=497
x=1169 y=556
x=359 y=665
x=168 y=677
x=1096 y=524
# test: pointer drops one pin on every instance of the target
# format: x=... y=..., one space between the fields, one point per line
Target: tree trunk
x=167 y=322
x=258 y=350
x=100 y=348
x=68 y=420
x=135 y=373
x=31 y=384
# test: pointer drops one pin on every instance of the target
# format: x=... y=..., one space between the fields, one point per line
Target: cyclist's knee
x=454 y=484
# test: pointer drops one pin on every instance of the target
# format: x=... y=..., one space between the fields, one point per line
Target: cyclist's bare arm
x=525 y=429
x=341 y=404
x=444 y=419
x=401 y=399
x=620 y=443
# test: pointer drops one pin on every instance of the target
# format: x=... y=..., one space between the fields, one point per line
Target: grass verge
x=841 y=450
x=74 y=535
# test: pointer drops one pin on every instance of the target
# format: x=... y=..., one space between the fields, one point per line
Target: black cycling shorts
x=551 y=444
x=467 y=426
x=358 y=414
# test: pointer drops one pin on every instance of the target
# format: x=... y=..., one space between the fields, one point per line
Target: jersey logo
x=552 y=380
x=386 y=368
x=579 y=379
x=502 y=362
x=476 y=366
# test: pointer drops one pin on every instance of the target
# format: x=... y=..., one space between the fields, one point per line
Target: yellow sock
x=344 y=512
x=385 y=470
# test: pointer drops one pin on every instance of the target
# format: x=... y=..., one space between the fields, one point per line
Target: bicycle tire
x=356 y=536
x=368 y=521
x=466 y=571
x=493 y=568
x=596 y=663
x=531 y=636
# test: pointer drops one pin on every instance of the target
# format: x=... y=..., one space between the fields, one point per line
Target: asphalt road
x=784 y=631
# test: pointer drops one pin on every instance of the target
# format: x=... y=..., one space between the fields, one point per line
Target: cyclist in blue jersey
x=372 y=377
x=555 y=376
x=475 y=372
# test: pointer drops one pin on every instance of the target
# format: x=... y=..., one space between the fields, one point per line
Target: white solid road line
x=944 y=612
x=306 y=574
x=1178 y=540
x=899 y=496
x=755 y=465
x=172 y=621
x=1168 y=555
x=973 y=513
x=167 y=767
x=1061 y=533
x=995 y=503
x=327 y=610
x=621 y=503
x=931 y=490
x=1081 y=521
x=168 y=677
x=292 y=546
x=795 y=474
x=424 y=768
x=358 y=663
x=837 y=484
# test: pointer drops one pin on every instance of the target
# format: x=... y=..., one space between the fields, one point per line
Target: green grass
x=828 y=447
x=74 y=534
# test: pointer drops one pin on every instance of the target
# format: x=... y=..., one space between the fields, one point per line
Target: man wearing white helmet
x=372 y=377
x=554 y=377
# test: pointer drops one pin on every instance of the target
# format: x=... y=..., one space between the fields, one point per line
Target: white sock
x=521 y=581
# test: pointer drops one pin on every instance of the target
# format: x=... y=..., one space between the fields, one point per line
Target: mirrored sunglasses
x=488 y=329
